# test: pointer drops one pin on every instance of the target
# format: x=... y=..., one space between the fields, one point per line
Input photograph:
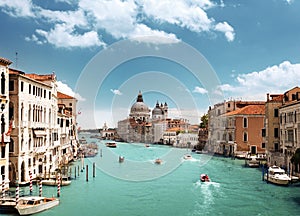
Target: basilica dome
x=139 y=110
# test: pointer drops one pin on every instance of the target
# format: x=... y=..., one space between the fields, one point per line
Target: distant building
x=140 y=126
x=107 y=133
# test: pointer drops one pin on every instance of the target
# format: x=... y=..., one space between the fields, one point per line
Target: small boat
x=252 y=161
x=53 y=182
x=187 y=157
x=121 y=159
x=111 y=145
x=34 y=204
x=277 y=175
x=158 y=161
x=147 y=145
x=204 y=178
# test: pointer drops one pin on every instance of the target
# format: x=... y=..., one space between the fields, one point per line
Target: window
x=245 y=122
x=49 y=95
x=276 y=112
x=276 y=147
x=263 y=132
x=276 y=132
x=290 y=135
x=29 y=89
x=245 y=138
x=2 y=151
x=253 y=150
x=70 y=104
x=263 y=145
x=33 y=90
x=11 y=86
x=3 y=83
x=22 y=86
x=44 y=93
x=11 y=145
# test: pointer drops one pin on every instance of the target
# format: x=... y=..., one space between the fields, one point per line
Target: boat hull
x=277 y=181
x=54 y=183
x=32 y=209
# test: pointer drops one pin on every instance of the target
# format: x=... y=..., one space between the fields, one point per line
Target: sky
x=190 y=54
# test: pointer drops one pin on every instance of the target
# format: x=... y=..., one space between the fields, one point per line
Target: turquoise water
x=234 y=190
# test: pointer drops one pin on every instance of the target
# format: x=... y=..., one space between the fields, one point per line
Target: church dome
x=139 y=108
x=157 y=110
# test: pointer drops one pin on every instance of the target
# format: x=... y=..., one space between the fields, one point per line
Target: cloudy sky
x=108 y=50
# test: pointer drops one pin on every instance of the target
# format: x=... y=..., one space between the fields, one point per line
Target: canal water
x=138 y=186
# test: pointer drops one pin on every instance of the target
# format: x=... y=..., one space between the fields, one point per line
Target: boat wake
x=205 y=192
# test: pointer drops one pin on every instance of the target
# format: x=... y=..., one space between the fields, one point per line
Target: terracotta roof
x=41 y=77
x=248 y=110
x=15 y=71
x=61 y=95
x=276 y=97
x=5 y=61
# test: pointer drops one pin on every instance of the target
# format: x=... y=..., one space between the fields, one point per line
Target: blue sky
x=253 y=48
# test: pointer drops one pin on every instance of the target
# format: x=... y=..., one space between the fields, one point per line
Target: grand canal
x=234 y=190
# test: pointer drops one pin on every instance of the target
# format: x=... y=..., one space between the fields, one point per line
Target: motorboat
x=252 y=161
x=277 y=175
x=147 y=145
x=187 y=157
x=204 y=178
x=34 y=204
x=53 y=181
x=158 y=161
x=121 y=159
x=111 y=144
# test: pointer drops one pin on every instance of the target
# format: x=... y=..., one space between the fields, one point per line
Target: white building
x=33 y=109
x=5 y=124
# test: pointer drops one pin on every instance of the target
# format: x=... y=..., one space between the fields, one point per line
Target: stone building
x=289 y=119
x=271 y=130
x=33 y=108
x=222 y=126
x=140 y=126
x=6 y=124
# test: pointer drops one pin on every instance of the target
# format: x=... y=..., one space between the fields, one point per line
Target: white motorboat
x=53 y=182
x=252 y=161
x=187 y=157
x=34 y=204
x=277 y=175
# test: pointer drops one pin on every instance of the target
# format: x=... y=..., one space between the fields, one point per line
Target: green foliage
x=204 y=121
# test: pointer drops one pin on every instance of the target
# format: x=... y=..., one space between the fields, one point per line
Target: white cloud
x=64 y=88
x=181 y=12
x=17 y=8
x=289 y=1
x=116 y=91
x=200 y=90
x=63 y=35
x=226 y=29
x=83 y=26
x=255 y=85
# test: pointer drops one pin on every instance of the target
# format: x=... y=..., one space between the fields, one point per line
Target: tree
x=204 y=121
x=296 y=157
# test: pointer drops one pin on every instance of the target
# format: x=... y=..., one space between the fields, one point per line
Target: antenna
x=16 y=60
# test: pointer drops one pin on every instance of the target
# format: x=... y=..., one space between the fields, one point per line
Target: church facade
x=142 y=127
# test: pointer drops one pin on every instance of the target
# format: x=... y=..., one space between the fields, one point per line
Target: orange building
x=245 y=129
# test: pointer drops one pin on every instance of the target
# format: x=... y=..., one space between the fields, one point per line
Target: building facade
x=6 y=124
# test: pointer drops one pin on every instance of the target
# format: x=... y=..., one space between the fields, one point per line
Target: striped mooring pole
x=17 y=192
x=40 y=188
x=30 y=182
x=58 y=185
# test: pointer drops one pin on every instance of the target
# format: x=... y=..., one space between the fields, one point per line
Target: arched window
x=2 y=83
x=11 y=145
x=245 y=137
